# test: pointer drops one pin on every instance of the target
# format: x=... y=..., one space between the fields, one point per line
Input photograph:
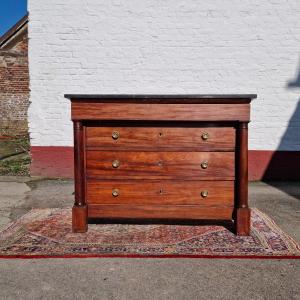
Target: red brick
x=14 y=87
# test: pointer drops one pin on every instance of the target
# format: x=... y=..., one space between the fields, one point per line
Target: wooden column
x=242 y=211
x=79 y=211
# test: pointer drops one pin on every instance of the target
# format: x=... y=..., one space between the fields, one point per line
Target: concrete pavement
x=147 y=278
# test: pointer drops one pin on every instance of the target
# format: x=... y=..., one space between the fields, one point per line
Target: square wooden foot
x=79 y=219
x=242 y=221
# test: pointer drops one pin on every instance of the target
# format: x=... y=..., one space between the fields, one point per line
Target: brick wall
x=14 y=86
x=144 y=46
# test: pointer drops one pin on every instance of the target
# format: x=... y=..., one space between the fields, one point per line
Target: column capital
x=243 y=125
x=77 y=125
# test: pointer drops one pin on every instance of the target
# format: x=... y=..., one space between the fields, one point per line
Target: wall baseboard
x=55 y=161
x=52 y=161
x=274 y=165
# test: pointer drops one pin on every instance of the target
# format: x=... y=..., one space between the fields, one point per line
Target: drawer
x=202 y=193
x=161 y=138
x=160 y=165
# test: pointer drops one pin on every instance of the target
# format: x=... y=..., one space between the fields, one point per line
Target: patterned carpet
x=44 y=233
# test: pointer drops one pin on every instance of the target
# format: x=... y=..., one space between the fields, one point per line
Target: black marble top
x=149 y=96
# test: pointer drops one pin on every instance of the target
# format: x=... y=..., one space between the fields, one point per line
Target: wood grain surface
x=156 y=112
x=160 y=165
x=220 y=193
x=159 y=211
x=161 y=138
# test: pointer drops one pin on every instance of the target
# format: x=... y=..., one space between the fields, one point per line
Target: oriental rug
x=47 y=233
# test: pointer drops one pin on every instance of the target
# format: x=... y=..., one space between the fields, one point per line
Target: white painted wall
x=165 y=46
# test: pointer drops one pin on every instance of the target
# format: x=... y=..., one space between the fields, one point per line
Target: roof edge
x=13 y=30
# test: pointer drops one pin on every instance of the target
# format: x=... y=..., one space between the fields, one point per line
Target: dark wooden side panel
x=161 y=212
x=145 y=111
x=161 y=138
x=160 y=165
x=201 y=193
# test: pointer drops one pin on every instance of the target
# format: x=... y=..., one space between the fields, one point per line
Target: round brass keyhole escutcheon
x=115 y=192
x=115 y=135
x=204 y=194
x=204 y=164
x=116 y=164
x=205 y=136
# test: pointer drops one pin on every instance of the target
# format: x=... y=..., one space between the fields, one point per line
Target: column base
x=79 y=219
x=242 y=221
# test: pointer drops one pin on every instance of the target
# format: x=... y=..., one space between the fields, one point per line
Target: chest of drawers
x=161 y=156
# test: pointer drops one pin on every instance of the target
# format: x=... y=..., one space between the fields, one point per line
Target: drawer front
x=202 y=193
x=162 y=138
x=160 y=165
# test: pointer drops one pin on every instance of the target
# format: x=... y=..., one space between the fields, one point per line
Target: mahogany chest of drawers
x=161 y=156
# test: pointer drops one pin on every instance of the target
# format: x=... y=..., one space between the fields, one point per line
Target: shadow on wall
x=285 y=165
x=295 y=82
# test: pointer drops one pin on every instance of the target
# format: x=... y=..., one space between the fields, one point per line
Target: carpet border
x=74 y=256
x=278 y=228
